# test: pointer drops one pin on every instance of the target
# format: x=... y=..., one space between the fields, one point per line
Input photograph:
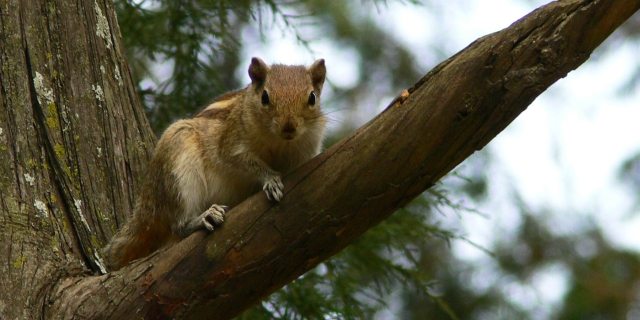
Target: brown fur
x=215 y=113
x=206 y=111
x=226 y=152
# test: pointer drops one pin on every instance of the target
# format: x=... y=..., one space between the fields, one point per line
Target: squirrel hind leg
x=207 y=220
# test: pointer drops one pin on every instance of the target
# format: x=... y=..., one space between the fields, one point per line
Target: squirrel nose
x=288 y=127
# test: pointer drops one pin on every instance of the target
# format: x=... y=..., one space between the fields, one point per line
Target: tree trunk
x=73 y=140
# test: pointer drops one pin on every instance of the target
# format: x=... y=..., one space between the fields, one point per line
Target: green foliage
x=193 y=44
x=358 y=282
x=629 y=174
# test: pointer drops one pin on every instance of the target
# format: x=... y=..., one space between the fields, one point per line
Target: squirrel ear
x=258 y=70
x=318 y=72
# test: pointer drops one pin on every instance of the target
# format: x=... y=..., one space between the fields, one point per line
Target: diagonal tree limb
x=455 y=109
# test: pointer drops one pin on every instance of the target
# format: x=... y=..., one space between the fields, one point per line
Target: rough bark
x=54 y=118
x=73 y=139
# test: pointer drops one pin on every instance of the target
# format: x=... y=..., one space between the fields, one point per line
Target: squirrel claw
x=213 y=216
x=273 y=189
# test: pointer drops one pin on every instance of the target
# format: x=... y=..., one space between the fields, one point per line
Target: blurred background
x=543 y=223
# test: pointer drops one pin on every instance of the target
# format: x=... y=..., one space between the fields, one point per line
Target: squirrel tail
x=134 y=240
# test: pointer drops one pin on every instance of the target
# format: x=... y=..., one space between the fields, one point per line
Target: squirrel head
x=285 y=100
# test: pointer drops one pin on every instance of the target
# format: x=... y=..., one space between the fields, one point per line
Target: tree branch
x=455 y=109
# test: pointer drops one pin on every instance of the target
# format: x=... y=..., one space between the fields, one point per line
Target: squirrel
x=243 y=141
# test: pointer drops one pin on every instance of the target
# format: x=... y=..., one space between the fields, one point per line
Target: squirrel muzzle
x=289 y=128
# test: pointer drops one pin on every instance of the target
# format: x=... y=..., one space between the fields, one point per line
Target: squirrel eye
x=265 y=97
x=312 y=98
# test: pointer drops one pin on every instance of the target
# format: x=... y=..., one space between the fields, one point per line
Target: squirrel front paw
x=213 y=216
x=273 y=188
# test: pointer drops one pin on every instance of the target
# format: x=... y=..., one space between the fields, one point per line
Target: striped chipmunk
x=243 y=141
